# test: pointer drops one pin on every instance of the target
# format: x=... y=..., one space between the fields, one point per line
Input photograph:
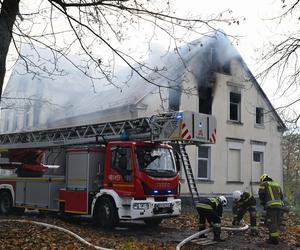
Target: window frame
x=235 y=146
x=122 y=171
x=260 y=149
x=261 y=156
x=259 y=116
x=236 y=104
x=208 y=165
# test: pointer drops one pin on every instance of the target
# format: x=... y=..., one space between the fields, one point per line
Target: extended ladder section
x=186 y=126
x=87 y=134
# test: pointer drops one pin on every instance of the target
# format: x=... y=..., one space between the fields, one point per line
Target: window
x=156 y=162
x=203 y=162
x=121 y=162
x=234 y=161
x=235 y=107
x=259 y=116
x=234 y=165
x=258 y=156
x=257 y=163
x=226 y=68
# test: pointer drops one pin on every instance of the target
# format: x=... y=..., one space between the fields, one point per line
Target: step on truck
x=111 y=171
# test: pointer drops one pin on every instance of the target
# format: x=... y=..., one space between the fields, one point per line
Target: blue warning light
x=179 y=116
x=125 y=136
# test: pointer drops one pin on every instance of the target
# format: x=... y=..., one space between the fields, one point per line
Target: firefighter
x=211 y=209
x=270 y=195
x=243 y=202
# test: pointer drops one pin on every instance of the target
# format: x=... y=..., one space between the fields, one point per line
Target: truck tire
x=106 y=213
x=154 y=222
x=6 y=203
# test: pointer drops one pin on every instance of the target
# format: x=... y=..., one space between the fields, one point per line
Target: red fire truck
x=120 y=170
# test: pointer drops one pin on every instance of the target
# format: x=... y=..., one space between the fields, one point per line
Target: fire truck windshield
x=156 y=162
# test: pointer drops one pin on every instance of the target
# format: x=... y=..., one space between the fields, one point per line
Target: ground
x=129 y=236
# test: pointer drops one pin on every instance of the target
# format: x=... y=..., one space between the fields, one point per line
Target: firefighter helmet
x=265 y=177
x=236 y=195
x=223 y=200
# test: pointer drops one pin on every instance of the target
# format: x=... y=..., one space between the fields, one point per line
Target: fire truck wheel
x=106 y=213
x=6 y=203
x=153 y=222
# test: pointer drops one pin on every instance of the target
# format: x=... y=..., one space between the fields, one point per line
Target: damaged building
x=207 y=76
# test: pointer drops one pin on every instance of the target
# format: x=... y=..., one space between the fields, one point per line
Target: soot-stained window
x=235 y=106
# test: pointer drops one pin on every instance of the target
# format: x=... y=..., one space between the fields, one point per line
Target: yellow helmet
x=264 y=177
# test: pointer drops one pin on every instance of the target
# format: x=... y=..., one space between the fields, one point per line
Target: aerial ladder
x=176 y=128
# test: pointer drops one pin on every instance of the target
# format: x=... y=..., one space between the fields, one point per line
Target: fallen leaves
x=131 y=236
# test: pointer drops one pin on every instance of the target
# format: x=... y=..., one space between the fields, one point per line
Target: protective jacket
x=210 y=209
x=270 y=194
x=247 y=201
x=211 y=204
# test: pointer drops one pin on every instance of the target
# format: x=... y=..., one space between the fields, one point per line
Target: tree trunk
x=9 y=11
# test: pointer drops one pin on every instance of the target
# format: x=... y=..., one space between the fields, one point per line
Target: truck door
x=121 y=171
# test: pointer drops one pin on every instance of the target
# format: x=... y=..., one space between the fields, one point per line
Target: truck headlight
x=141 y=206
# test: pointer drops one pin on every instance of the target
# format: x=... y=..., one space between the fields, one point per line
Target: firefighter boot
x=273 y=241
x=201 y=228
x=217 y=232
x=253 y=232
x=235 y=222
x=217 y=237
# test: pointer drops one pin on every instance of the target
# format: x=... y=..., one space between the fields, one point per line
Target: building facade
x=249 y=131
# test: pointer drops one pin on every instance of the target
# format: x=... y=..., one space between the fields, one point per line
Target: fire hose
x=60 y=229
x=244 y=228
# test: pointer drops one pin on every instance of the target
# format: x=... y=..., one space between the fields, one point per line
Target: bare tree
x=291 y=162
x=9 y=11
x=280 y=58
x=99 y=29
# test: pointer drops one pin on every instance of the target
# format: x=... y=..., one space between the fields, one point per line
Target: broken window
x=226 y=67
x=205 y=100
x=259 y=116
x=203 y=162
x=235 y=106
